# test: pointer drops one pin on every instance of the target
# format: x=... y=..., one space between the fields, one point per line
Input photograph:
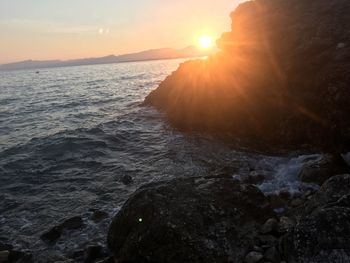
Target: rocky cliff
x=282 y=77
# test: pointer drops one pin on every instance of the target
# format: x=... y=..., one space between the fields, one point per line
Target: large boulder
x=189 y=220
x=282 y=76
x=322 y=233
x=319 y=170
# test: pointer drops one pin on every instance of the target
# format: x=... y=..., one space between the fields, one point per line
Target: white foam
x=284 y=174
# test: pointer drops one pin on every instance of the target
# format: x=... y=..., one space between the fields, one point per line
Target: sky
x=69 y=29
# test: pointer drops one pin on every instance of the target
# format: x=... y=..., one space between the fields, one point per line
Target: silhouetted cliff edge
x=282 y=76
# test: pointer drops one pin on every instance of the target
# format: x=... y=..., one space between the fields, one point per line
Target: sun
x=205 y=42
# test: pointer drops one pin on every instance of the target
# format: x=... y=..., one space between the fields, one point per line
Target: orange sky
x=66 y=29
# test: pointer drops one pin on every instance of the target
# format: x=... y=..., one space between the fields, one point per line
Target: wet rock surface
x=189 y=220
x=223 y=220
x=10 y=255
x=324 y=168
x=322 y=231
x=55 y=232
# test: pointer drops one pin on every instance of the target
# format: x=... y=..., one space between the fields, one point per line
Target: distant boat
x=37 y=72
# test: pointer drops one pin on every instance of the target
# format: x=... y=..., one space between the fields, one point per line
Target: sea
x=68 y=137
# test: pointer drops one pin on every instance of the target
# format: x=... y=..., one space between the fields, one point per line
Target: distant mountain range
x=153 y=54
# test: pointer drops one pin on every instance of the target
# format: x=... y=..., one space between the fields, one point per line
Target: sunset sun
x=205 y=42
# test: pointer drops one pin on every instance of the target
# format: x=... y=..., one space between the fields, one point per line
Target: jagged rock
x=55 y=232
x=321 y=170
x=271 y=81
x=189 y=220
x=253 y=257
x=322 y=232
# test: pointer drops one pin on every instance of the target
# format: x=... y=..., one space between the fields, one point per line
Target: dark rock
x=333 y=191
x=20 y=257
x=106 y=260
x=276 y=201
x=55 y=232
x=272 y=254
x=285 y=195
x=296 y=202
x=93 y=253
x=253 y=257
x=189 y=220
x=98 y=215
x=4 y=256
x=4 y=246
x=254 y=177
x=269 y=226
x=285 y=225
x=291 y=50
x=127 y=179
x=321 y=170
x=322 y=232
x=267 y=241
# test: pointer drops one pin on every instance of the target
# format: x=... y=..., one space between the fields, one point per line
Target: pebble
x=285 y=225
x=267 y=241
x=341 y=45
x=296 y=202
x=98 y=215
x=253 y=257
x=269 y=226
x=127 y=179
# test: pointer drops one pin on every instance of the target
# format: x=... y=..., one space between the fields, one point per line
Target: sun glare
x=205 y=42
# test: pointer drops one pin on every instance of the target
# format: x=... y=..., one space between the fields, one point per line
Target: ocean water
x=69 y=135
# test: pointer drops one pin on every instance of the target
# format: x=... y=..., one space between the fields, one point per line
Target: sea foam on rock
x=282 y=77
x=189 y=220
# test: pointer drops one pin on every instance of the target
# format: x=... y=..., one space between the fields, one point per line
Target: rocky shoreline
x=282 y=79
x=220 y=218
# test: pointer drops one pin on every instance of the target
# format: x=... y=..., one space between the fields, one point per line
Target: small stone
x=272 y=254
x=258 y=249
x=127 y=179
x=55 y=232
x=253 y=257
x=52 y=235
x=4 y=256
x=341 y=45
x=284 y=194
x=285 y=225
x=267 y=241
x=269 y=226
x=98 y=216
x=296 y=202
x=308 y=192
x=276 y=201
x=73 y=223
